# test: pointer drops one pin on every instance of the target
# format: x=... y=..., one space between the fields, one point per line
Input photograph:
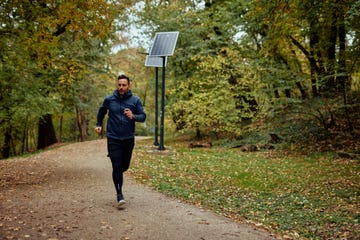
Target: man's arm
x=140 y=115
x=100 y=117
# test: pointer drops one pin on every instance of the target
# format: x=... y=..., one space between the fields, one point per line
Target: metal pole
x=156 y=143
x=161 y=146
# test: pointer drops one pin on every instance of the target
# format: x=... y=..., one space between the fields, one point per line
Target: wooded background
x=236 y=62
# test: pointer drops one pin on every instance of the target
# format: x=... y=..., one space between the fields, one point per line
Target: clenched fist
x=98 y=129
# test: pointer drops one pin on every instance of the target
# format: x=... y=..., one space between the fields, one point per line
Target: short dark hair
x=123 y=76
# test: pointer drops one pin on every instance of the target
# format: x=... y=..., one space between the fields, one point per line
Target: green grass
x=305 y=197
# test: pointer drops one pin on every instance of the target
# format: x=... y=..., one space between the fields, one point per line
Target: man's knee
x=120 y=167
x=125 y=167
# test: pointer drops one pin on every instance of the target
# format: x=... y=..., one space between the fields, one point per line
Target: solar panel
x=154 y=61
x=164 y=44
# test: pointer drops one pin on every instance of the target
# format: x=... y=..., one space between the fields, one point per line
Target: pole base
x=161 y=148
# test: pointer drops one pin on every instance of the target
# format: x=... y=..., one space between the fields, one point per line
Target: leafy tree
x=34 y=37
x=291 y=50
x=310 y=41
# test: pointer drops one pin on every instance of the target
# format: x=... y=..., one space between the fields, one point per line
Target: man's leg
x=117 y=176
x=127 y=149
x=120 y=152
x=115 y=150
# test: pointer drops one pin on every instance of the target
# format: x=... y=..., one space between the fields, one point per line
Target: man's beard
x=122 y=94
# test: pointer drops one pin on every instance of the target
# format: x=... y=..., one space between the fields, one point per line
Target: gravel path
x=67 y=193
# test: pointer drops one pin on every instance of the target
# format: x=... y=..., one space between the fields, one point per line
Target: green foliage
x=209 y=99
x=50 y=52
x=303 y=196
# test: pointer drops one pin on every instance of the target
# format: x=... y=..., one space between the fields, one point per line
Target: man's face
x=123 y=86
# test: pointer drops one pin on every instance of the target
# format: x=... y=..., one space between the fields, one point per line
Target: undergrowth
x=306 y=187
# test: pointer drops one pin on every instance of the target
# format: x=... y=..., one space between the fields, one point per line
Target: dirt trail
x=67 y=193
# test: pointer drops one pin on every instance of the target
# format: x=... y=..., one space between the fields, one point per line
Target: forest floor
x=67 y=193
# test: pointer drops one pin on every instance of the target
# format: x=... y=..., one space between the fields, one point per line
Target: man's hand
x=128 y=113
x=98 y=129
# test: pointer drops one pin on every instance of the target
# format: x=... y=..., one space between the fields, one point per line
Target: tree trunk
x=342 y=79
x=24 y=146
x=327 y=87
x=314 y=41
x=61 y=126
x=7 y=142
x=82 y=124
x=310 y=55
x=198 y=133
x=287 y=92
x=46 y=132
x=276 y=92
x=301 y=89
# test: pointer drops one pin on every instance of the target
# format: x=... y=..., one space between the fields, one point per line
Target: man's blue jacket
x=119 y=126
